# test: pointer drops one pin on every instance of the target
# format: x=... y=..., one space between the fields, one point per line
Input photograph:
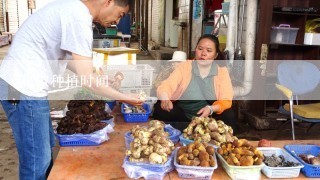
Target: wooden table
x=105 y=161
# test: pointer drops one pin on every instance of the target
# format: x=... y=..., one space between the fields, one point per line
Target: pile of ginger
x=206 y=129
x=150 y=144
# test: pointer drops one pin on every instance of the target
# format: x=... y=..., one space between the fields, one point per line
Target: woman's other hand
x=166 y=105
x=204 y=112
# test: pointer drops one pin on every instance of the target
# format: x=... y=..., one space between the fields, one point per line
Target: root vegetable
x=204 y=164
x=155 y=158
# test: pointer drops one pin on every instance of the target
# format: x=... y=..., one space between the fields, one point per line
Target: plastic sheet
x=147 y=170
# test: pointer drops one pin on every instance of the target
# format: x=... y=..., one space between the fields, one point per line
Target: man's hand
x=133 y=99
x=166 y=105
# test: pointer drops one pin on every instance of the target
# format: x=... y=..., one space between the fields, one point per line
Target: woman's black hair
x=221 y=57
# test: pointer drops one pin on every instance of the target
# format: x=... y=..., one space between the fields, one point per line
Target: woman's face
x=206 y=52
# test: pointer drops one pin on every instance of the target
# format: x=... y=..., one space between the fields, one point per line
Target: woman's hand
x=166 y=105
x=204 y=112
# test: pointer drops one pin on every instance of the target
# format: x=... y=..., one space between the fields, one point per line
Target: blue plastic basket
x=308 y=169
x=111 y=104
x=136 y=117
x=80 y=142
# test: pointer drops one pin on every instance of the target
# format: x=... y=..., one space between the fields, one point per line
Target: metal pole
x=140 y=17
x=142 y=49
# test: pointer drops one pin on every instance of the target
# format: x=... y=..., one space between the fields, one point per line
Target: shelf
x=295 y=45
x=296 y=14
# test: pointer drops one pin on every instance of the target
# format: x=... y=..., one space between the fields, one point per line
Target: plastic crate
x=135 y=76
x=283 y=34
x=241 y=172
x=173 y=135
x=146 y=90
x=147 y=170
x=106 y=43
x=136 y=117
x=308 y=169
x=194 y=172
x=92 y=139
x=280 y=172
x=225 y=7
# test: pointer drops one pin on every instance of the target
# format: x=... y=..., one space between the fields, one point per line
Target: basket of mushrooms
x=150 y=153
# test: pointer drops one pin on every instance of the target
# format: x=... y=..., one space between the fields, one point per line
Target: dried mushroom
x=134 y=109
x=278 y=161
x=83 y=117
x=310 y=159
x=196 y=154
x=240 y=153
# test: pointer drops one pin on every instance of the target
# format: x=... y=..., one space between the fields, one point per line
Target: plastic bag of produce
x=173 y=135
x=92 y=139
x=147 y=170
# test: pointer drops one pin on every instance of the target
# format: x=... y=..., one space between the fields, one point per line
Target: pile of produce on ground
x=278 y=161
x=83 y=117
x=196 y=154
x=150 y=144
x=310 y=159
x=240 y=153
x=207 y=129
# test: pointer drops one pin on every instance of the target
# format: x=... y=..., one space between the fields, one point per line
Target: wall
x=168 y=12
x=196 y=25
x=184 y=7
x=18 y=12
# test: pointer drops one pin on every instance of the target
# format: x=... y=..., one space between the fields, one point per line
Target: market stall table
x=105 y=161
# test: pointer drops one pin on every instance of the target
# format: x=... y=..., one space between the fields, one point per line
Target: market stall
x=105 y=161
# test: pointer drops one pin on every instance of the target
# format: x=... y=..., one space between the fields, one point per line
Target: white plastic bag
x=146 y=170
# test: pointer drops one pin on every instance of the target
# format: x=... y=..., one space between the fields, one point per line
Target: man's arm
x=83 y=67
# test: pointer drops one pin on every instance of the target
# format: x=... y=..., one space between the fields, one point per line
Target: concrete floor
x=9 y=156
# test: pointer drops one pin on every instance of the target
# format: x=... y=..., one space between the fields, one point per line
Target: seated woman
x=200 y=87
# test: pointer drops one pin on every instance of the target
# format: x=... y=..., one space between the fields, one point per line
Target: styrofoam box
x=241 y=172
x=280 y=172
x=283 y=35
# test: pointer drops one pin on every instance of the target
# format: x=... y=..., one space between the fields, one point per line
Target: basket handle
x=285 y=25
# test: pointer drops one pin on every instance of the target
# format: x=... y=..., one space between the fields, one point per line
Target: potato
x=210 y=150
x=203 y=156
